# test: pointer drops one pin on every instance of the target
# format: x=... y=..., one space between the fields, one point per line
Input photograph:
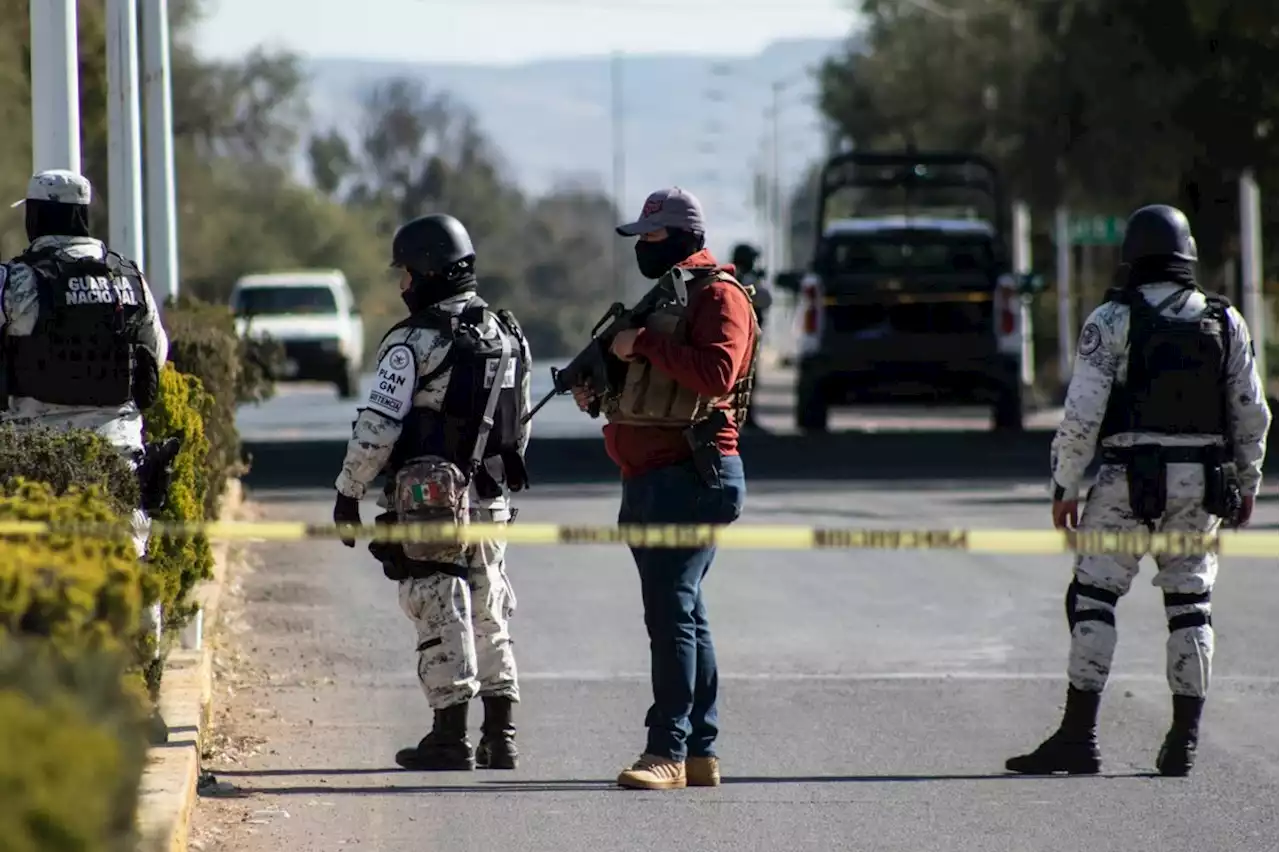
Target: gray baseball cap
x=60 y=185
x=667 y=208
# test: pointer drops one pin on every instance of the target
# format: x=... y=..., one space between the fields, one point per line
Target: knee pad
x=1078 y=590
x=1199 y=616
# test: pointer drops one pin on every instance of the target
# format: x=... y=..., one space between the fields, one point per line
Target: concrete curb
x=168 y=791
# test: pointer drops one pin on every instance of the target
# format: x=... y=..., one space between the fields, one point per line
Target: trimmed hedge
x=79 y=593
x=72 y=732
x=181 y=563
x=64 y=460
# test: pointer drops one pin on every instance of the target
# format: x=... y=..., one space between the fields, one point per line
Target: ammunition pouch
x=1146 y=469
x=701 y=438
x=155 y=473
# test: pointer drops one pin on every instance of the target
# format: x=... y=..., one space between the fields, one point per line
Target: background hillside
x=684 y=123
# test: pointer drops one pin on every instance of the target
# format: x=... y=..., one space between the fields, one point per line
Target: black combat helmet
x=1157 y=231
x=431 y=245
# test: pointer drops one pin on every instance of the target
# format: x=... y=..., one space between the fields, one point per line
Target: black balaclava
x=427 y=290
x=656 y=259
x=53 y=219
x=1160 y=269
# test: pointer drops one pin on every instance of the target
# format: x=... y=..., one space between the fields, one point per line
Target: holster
x=389 y=553
x=1222 y=494
x=701 y=438
x=155 y=473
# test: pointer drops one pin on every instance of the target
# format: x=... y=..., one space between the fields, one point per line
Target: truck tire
x=347 y=382
x=813 y=409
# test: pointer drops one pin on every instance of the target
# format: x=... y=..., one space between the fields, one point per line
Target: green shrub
x=67 y=459
x=180 y=563
x=73 y=738
x=77 y=592
x=203 y=343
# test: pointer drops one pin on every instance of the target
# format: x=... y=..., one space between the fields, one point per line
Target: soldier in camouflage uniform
x=1166 y=388
x=420 y=405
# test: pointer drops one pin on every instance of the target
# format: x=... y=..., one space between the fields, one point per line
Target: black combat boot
x=497 y=749
x=445 y=748
x=1178 y=753
x=1073 y=748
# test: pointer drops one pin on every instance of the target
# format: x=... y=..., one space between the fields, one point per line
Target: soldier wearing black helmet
x=1166 y=391
x=443 y=425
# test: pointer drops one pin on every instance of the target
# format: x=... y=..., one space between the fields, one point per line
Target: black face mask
x=427 y=290
x=655 y=259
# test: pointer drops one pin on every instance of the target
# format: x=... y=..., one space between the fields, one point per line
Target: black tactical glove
x=346 y=510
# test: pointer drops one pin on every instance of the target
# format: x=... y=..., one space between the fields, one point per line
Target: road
x=869 y=699
x=313 y=412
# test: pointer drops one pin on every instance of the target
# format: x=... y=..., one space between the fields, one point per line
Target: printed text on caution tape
x=739 y=536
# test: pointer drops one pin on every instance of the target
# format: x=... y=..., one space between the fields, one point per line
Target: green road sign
x=1097 y=230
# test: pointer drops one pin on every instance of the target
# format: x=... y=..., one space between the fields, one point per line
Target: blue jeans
x=682 y=719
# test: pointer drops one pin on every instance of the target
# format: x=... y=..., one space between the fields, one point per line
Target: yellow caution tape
x=1243 y=543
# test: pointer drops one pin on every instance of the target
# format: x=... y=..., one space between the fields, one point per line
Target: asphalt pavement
x=869 y=699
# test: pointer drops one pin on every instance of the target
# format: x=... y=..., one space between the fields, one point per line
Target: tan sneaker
x=651 y=772
x=703 y=772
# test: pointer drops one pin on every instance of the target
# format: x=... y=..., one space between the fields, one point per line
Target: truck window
x=904 y=254
x=266 y=301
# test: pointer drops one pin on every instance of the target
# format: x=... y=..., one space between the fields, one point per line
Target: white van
x=314 y=315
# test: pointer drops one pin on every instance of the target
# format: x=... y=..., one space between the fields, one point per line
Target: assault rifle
x=589 y=368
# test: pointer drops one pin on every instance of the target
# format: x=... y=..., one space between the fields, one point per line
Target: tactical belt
x=1211 y=454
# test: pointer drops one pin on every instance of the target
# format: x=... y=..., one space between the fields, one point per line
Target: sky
x=513 y=31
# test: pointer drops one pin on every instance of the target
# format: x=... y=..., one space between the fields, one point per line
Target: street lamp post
x=55 y=86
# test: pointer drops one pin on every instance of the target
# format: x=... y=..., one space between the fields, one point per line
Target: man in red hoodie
x=684 y=388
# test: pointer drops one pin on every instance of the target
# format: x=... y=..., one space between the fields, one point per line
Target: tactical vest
x=1176 y=379
x=80 y=350
x=649 y=397
x=451 y=433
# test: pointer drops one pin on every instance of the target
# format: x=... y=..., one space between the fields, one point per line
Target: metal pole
x=124 y=163
x=619 y=165
x=1066 y=322
x=775 y=207
x=161 y=209
x=55 y=86
x=1251 y=267
x=1022 y=266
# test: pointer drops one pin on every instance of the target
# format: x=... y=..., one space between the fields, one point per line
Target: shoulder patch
x=1090 y=339
x=393 y=383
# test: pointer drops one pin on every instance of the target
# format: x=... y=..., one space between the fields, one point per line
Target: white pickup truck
x=314 y=315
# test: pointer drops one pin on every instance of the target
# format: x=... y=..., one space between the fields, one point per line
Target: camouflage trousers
x=464 y=641
x=1186 y=582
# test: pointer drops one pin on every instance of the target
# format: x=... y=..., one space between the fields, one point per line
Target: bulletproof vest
x=1176 y=378
x=649 y=397
x=80 y=350
x=472 y=360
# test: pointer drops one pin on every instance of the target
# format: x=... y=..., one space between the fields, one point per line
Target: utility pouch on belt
x=1148 y=483
x=434 y=490
x=701 y=437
